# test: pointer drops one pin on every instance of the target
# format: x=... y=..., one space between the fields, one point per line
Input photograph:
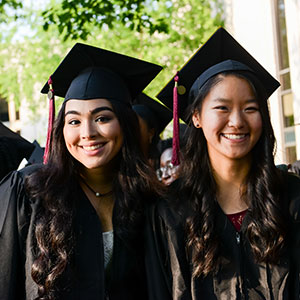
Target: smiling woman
x=232 y=124
x=72 y=228
x=230 y=229
x=92 y=132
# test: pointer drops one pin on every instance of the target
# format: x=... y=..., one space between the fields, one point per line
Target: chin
x=92 y=166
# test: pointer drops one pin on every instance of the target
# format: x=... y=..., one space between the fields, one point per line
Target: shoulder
x=172 y=213
x=13 y=196
x=171 y=210
x=292 y=190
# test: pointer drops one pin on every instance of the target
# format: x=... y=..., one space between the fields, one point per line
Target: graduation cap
x=89 y=72
x=13 y=148
x=220 y=53
x=36 y=156
x=102 y=73
x=156 y=115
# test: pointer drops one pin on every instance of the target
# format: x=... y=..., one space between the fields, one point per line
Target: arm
x=11 y=221
x=168 y=275
x=159 y=280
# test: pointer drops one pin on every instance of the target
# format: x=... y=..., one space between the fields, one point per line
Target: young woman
x=72 y=228
x=231 y=230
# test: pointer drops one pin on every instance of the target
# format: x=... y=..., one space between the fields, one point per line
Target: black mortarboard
x=36 y=156
x=23 y=146
x=155 y=114
x=89 y=72
x=220 y=53
x=13 y=148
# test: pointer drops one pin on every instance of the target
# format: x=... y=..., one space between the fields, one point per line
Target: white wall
x=251 y=23
x=292 y=9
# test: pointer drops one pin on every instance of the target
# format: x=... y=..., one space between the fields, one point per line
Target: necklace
x=97 y=194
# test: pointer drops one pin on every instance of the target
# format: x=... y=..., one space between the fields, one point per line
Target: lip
x=235 y=137
x=93 y=148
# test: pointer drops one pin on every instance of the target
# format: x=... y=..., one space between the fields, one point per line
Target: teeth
x=89 y=148
x=234 y=136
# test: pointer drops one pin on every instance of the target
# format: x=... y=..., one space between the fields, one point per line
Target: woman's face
x=230 y=119
x=169 y=173
x=92 y=132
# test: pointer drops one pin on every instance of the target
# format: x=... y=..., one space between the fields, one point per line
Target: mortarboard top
x=36 y=156
x=208 y=61
x=23 y=147
x=155 y=114
x=103 y=74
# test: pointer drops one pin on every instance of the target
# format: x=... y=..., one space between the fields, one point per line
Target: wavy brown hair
x=266 y=230
x=52 y=186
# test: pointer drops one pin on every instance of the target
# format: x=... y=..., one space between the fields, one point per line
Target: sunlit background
x=36 y=35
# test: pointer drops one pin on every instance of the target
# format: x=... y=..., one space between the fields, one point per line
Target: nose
x=236 y=119
x=88 y=130
x=165 y=174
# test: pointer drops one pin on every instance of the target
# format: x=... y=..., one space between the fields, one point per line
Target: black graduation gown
x=239 y=277
x=85 y=277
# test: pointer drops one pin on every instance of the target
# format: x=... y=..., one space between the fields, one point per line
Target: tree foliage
x=9 y=3
x=27 y=63
x=73 y=18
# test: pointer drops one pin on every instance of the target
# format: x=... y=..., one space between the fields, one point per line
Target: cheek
x=112 y=131
x=67 y=136
x=212 y=122
x=117 y=135
x=257 y=125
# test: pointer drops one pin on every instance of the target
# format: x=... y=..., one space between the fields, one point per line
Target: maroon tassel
x=175 y=151
x=50 y=119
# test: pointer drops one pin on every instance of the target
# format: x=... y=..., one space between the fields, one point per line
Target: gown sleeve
x=159 y=279
x=168 y=275
x=13 y=212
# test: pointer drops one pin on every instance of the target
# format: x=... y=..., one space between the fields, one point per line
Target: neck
x=230 y=179
x=98 y=179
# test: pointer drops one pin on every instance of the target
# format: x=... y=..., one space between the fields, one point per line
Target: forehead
x=166 y=155
x=86 y=105
x=228 y=86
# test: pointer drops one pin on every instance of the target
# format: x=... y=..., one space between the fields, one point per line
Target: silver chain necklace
x=97 y=194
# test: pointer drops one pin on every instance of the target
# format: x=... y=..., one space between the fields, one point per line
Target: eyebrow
x=94 y=111
x=224 y=100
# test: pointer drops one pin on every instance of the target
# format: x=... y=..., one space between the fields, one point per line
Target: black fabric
x=239 y=277
x=36 y=156
x=13 y=148
x=227 y=65
x=96 y=82
x=221 y=46
x=84 y=277
x=156 y=115
x=114 y=71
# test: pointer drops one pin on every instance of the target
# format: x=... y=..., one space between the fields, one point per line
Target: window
x=286 y=94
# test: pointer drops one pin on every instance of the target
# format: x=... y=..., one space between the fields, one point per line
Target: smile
x=234 y=136
x=91 y=148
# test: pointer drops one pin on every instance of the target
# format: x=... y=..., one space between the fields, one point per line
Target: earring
x=197 y=125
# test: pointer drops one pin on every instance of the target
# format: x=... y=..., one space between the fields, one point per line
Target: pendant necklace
x=97 y=194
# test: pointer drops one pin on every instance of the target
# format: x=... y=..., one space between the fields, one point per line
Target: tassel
x=175 y=146
x=50 y=120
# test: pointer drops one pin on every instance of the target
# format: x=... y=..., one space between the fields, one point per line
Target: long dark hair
x=52 y=185
x=266 y=230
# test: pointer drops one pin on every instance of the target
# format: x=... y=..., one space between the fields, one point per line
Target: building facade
x=270 y=31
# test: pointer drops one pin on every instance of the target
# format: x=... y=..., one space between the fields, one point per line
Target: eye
x=221 y=108
x=73 y=122
x=251 y=109
x=103 y=119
